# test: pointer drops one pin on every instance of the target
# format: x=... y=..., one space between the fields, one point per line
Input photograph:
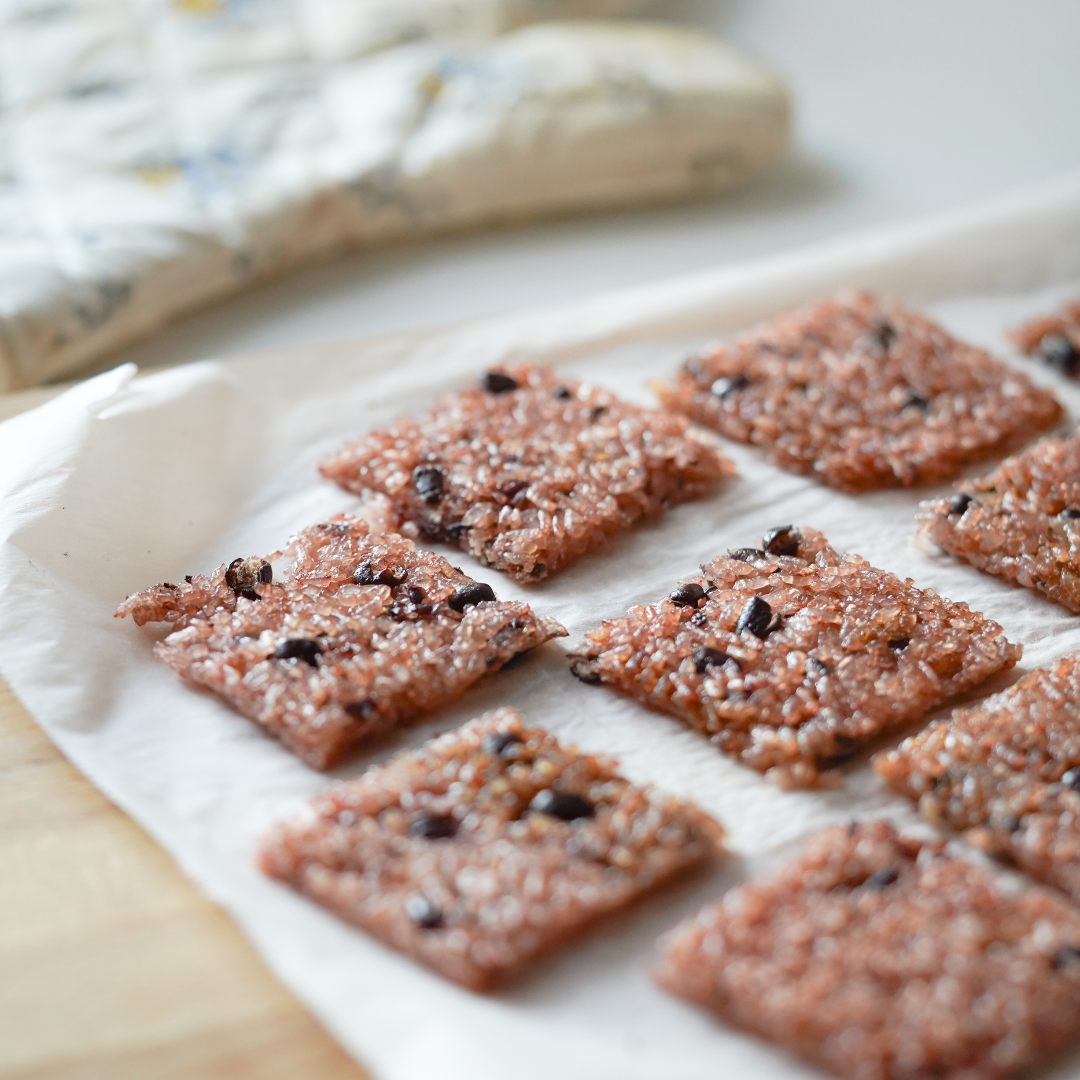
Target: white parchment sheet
x=119 y=483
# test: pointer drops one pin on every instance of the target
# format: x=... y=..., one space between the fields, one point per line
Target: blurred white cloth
x=156 y=155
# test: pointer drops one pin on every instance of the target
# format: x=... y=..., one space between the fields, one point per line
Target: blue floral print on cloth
x=159 y=154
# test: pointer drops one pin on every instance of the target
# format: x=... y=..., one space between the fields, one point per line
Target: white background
x=903 y=108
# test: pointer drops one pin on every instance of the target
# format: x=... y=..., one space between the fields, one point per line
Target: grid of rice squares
x=879 y=957
x=531 y=469
x=1020 y=522
x=861 y=394
x=363 y=633
x=1006 y=773
x=794 y=657
x=487 y=847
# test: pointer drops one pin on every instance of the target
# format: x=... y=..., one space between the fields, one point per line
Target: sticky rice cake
x=794 y=657
x=1005 y=773
x=362 y=634
x=861 y=394
x=879 y=957
x=530 y=470
x=1020 y=522
x=486 y=847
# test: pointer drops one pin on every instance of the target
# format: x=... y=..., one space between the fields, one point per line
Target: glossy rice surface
x=1006 y=773
x=528 y=479
x=1065 y=322
x=377 y=655
x=494 y=882
x=853 y=652
x=878 y=957
x=861 y=394
x=1020 y=522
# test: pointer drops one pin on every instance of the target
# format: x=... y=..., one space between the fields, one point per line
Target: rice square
x=861 y=394
x=794 y=657
x=364 y=633
x=486 y=847
x=1056 y=338
x=1005 y=773
x=1020 y=522
x=876 y=956
x=530 y=470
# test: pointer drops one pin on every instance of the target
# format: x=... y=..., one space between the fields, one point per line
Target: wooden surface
x=112 y=965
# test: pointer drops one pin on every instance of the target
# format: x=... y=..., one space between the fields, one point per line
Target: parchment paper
x=121 y=483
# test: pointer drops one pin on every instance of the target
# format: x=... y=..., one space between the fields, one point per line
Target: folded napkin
x=155 y=156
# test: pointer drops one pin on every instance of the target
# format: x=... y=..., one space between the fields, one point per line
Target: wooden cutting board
x=112 y=965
